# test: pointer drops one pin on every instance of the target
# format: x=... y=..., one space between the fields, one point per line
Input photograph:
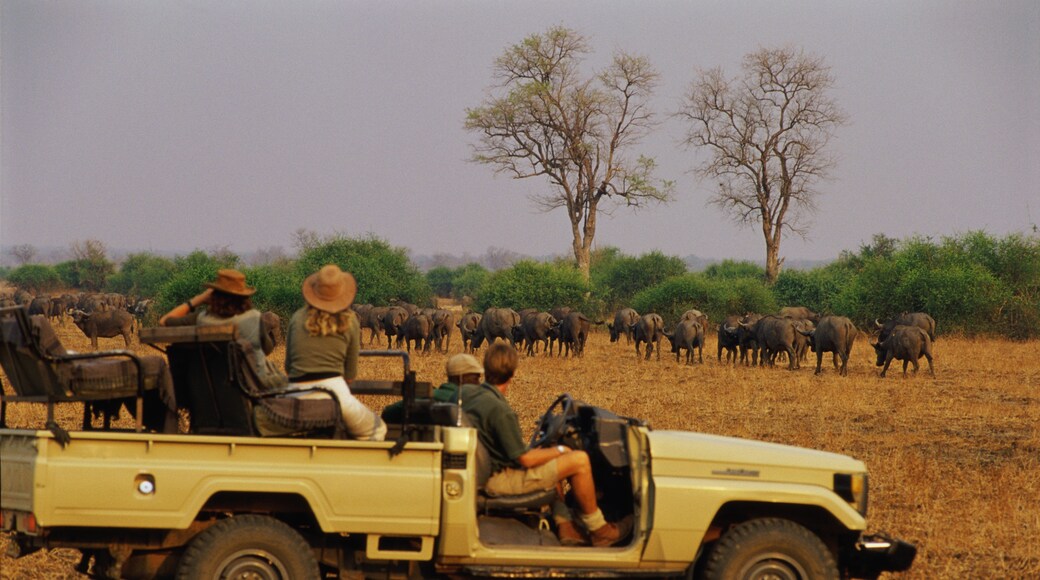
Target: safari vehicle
x=219 y=505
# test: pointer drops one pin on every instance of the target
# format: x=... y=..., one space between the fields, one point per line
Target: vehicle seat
x=487 y=503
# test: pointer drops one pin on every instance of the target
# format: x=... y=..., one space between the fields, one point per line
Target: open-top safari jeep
x=214 y=503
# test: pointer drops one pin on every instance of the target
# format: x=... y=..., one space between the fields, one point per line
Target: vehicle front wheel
x=248 y=546
x=769 y=549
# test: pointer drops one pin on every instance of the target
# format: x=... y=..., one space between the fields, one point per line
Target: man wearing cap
x=517 y=470
x=461 y=369
x=322 y=345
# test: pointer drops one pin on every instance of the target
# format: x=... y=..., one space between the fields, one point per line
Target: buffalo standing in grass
x=536 y=328
x=649 y=329
x=391 y=322
x=688 y=335
x=469 y=328
x=905 y=343
x=498 y=323
x=417 y=329
x=775 y=335
x=918 y=319
x=729 y=339
x=108 y=324
x=834 y=334
x=747 y=339
x=574 y=332
x=443 y=321
x=624 y=318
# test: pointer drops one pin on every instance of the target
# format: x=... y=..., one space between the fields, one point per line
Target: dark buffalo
x=834 y=334
x=694 y=314
x=775 y=335
x=918 y=319
x=800 y=313
x=391 y=322
x=624 y=318
x=40 y=305
x=469 y=327
x=574 y=331
x=108 y=324
x=729 y=339
x=905 y=343
x=649 y=329
x=801 y=339
x=372 y=319
x=418 y=329
x=688 y=335
x=499 y=323
x=443 y=320
x=536 y=328
x=748 y=340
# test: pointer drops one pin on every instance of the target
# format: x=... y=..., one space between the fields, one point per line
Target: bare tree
x=24 y=253
x=767 y=135
x=90 y=264
x=549 y=121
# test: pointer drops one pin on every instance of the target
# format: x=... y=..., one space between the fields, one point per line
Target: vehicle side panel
x=334 y=477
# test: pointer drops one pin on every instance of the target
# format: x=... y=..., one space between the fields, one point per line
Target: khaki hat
x=463 y=364
x=231 y=282
x=330 y=289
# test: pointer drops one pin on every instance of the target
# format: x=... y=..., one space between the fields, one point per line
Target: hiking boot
x=612 y=534
x=569 y=534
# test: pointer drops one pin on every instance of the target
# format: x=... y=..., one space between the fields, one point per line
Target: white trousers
x=362 y=423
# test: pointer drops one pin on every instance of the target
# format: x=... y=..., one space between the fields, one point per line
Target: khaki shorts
x=512 y=481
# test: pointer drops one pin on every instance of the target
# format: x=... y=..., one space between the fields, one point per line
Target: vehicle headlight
x=853 y=489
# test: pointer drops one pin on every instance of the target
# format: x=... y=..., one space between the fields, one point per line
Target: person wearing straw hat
x=227 y=300
x=322 y=345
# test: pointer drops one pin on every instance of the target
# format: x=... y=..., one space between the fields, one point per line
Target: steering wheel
x=553 y=424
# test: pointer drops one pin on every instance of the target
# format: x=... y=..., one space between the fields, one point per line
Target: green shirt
x=330 y=354
x=446 y=393
x=497 y=425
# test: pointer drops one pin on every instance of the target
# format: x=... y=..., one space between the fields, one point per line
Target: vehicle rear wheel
x=248 y=547
x=770 y=549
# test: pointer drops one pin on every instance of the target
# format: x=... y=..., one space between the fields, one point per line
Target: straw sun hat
x=330 y=289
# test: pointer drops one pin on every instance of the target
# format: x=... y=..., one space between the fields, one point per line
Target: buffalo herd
x=743 y=339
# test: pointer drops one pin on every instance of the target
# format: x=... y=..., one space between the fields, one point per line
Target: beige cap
x=463 y=364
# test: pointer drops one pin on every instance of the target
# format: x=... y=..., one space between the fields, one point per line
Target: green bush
x=441 y=280
x=815 y=289
x=278 y=287
x=469 y=280
x=383 y=272
x=191 y=272
x=529 y=284
x=621 y=277
x=141 y=275
x=729 y=269
x=35 y=278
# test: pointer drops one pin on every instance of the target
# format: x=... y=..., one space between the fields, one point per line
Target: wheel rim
x=252 y=565
x=774 y=566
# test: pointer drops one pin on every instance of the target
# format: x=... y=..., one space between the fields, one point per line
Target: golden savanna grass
x=954 y=460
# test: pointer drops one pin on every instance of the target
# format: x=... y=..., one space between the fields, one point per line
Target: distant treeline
x=973 y=283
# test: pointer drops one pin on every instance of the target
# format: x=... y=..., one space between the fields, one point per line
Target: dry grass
x=955 y=460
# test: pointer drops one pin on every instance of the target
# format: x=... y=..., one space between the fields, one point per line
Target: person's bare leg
x=576 y=467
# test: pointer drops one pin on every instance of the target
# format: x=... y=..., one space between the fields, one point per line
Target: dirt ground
x=954 y=459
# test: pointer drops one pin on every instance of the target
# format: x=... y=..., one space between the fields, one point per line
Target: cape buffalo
x=905 y=343
x=834 y=334
x=536 y=328
x=372 y=319
x=391 y=321
x=649 y=329
x=108 y=324
x=918 y=319
x=417 y=329
x=499 y=323
x=729 y=339
x=574 y=331
x=688 y=335
x=799 y=312
x=624 y=318
x=774 y=335
x=748 y=340
x=443 y=320
x=694 y=314
x=469 y=325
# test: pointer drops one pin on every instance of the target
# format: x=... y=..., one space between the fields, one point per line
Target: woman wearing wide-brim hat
x=227 y=300
x=322 y=345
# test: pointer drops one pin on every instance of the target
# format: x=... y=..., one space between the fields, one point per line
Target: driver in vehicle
x=516 y=469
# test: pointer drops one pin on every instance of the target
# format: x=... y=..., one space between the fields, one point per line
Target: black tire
x=770 y=548
x=248 y=546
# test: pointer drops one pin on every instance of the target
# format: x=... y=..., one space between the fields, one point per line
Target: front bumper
x=877 y=553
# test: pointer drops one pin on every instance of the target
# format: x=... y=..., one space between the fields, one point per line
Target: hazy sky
x=174 y=125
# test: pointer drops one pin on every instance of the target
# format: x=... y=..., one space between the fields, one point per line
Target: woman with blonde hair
x=322 y=344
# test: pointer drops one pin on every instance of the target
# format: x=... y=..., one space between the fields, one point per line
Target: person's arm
x=350 y=362
x=188 y=307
